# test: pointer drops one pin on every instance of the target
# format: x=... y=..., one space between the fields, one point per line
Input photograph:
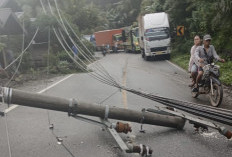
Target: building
x=9 y=25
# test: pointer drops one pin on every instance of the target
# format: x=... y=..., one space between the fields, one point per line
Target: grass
x=182 y=60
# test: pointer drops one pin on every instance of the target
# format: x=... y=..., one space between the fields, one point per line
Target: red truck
x=103 y=38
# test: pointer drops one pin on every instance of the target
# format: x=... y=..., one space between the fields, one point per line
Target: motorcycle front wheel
x=217 y=95
x=195 y=94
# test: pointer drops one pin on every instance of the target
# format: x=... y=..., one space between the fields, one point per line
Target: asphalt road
x=30 y=136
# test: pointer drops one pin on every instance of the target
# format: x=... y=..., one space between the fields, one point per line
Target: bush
x=27 y=63
x=181 y=46
x=63 y=56
x=226 y=72
x=62 y=64
x=87 y=53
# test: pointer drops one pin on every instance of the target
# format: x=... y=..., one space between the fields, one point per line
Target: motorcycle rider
x=103 y=49
x=204 y=55
x=193 y=69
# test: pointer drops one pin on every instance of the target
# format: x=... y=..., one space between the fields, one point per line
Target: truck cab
x=117 y=42
x=131 y=43
x=155 y=36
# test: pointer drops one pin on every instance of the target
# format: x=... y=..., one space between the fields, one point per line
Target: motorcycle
x=104 y=52
x=210 y=84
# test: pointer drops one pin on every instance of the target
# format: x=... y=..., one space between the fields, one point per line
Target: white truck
x=154 y=35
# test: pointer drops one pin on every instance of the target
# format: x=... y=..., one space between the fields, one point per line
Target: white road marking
x=124 y=92
x=10 y=108
x=176 y=66
x=42 y=91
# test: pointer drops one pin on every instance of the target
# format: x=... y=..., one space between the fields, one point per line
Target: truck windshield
x=156 y=33
x=117 y=38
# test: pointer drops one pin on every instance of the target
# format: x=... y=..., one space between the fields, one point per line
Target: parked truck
x=108 y=37
x=154 y=35
x=130 y=36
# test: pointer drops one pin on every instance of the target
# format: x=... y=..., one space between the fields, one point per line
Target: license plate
x=159 y=53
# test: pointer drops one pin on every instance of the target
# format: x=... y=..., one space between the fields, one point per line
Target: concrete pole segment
x=14 y=96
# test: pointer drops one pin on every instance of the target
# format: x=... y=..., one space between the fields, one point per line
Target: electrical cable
x=69 y=36
x=218 y=117
x=6 y=127
x=7 y=135
x=66 y=31
x=84 y=69
x=80 y=59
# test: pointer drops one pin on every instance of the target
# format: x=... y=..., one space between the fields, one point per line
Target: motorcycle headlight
x=206 y=68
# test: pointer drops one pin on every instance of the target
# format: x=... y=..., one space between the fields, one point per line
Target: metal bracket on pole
x=109 y=126
x=116 y=136
x=3 y=101
x=91 y=121
x=1 y=95
x=72 y=107
x=106 y=112
x=6 y=94
x=143 y=150
x=141 y=121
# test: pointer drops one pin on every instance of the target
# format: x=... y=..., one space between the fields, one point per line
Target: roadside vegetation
x=85 y=17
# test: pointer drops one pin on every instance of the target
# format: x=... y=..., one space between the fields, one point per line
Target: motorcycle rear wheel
x=216 y=98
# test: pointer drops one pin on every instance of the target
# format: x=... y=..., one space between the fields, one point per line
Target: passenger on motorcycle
x=193 y=69
x=204 y=55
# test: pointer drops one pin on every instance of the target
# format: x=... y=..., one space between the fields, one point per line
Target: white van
x=154 y=35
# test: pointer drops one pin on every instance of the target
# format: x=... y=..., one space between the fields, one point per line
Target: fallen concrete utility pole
x=13 y=96
x=195 y=121
x=75 y=108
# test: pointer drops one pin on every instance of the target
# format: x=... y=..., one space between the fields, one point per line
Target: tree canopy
x=198 y=16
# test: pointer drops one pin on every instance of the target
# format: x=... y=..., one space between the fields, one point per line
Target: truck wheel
x=133 y=49
x=142 y=53
x=168 y=57
x=126 y=50
x=146 y=58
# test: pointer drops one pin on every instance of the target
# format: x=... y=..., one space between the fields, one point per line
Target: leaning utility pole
x=72 y=107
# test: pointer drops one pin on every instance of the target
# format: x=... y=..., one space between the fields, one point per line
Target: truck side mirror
x=123 y=36
x=142 y=38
